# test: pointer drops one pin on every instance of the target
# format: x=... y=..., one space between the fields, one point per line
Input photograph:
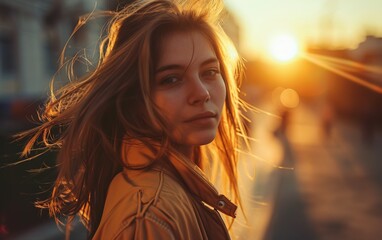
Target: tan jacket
x=165 y=201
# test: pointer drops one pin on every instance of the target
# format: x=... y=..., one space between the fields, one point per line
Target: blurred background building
x=32 y=36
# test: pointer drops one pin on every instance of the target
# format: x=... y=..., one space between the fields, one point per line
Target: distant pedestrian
x=284 y=122
x=327 y=119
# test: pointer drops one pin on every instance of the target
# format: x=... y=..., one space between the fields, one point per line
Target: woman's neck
x=187 y=151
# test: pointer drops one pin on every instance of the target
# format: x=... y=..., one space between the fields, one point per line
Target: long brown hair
x=90 y=118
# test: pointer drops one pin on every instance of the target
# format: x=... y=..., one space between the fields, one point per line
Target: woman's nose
x=198 y=91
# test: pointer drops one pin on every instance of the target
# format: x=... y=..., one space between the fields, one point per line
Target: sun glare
x=283 y=48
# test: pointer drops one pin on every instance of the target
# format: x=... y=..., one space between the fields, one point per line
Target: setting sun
x=283 y=48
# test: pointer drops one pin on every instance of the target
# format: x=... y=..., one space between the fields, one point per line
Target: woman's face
x=189 y=89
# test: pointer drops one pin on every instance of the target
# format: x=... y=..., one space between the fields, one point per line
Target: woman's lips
x=202 y=117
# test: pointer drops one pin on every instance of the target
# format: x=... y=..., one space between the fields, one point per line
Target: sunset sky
x=330 y=23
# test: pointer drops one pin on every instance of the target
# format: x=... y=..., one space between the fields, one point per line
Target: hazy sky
x=335 y=23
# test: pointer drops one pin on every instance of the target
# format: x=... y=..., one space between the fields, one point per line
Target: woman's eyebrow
x=169 y=67
x=210 y=60
x=178 y=66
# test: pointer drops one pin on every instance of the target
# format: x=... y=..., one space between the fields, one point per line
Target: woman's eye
x=211 y=73
x=169 y=80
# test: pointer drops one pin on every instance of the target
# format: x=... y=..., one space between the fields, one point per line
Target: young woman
x=138 y=135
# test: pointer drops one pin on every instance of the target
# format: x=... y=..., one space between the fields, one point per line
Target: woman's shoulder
x=151 y=183
x=154 y=196
x=159 y=187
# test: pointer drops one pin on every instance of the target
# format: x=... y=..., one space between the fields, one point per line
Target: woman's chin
x=201 y=139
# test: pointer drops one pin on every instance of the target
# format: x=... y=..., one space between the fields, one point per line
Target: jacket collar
x=137 y=155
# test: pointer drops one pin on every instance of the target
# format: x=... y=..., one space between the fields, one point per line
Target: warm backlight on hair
x=289 y=98
x=232 y=52
x=283 y=48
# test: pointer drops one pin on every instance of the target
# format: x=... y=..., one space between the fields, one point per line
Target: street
x=312 y=184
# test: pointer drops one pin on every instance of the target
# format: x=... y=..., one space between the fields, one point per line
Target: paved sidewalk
x=330 y=187
x=339 y=177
